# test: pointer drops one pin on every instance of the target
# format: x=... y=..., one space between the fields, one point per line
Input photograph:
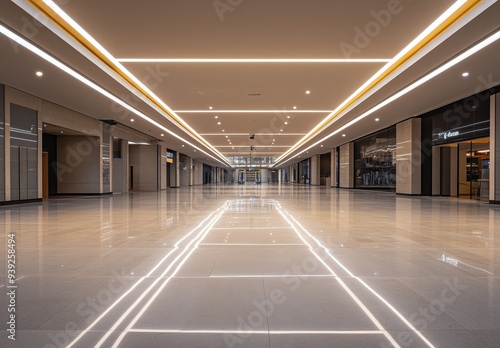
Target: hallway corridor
x=254 y=266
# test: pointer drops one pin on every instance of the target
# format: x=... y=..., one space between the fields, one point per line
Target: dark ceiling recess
x=254 y=94
x=110 y=122
x=252 y=136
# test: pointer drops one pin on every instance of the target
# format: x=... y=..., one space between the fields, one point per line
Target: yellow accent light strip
x=463 y=7
x=44 y=8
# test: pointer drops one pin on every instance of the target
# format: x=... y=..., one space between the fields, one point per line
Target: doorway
x=473 y=168
x=464 y=169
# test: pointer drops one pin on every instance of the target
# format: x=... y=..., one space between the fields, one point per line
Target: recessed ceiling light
x=288 y=117
x=216 y=116
x=62 y=132
x=377 y=119
x=295 y=108
x=131 y=120
x=194 y=150
x=182 y=145
x=39 y=73
x=45 y=125
x=465 y=74
x=281 y=130
x=223 y=130
x=162 y=134
x=343 y=135
x=210 y=107
x=286 y=122
x=227 y=136
x=308 y=92
x=321 y=145
x=218 y=123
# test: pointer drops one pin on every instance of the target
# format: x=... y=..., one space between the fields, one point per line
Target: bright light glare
x=11 y=35
x=251 y=60
x=488 y=41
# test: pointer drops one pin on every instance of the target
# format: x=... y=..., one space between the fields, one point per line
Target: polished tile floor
x=253 y=266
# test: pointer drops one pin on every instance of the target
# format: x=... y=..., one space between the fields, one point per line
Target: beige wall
x=346 y=170
x=315 y=170
x=408 y=157
x=333 y=172
x=78 y=165
x=144 y=160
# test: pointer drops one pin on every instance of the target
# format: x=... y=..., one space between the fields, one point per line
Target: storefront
x=460 y=148
x=375 y=160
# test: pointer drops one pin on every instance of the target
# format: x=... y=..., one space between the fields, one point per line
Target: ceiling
x=212 y=106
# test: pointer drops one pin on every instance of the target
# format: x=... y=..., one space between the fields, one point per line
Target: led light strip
x=449 y=17
x=29 y=46
x=275 y=111
x=369 y=288
x=276 y=276
x=353 y=296
x=159 y=290
x=485 y=43
x=262 y=332
x=150 y=273
x=251 y=60
x=72 y=28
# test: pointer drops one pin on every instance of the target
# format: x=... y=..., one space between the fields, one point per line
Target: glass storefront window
x=375 y=160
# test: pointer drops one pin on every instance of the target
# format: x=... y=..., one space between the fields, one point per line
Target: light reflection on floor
x=261 y=266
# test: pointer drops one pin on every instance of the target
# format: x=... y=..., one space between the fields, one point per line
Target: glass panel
x=24 y=152
x=375 y=160
x=467 y=170
x=106 y=159
x=14 y=173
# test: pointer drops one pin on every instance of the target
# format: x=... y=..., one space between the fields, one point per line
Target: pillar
x=409 y=157
x=346 y=163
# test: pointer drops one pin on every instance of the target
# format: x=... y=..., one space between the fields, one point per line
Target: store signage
x=170 y=157
x=447 y=135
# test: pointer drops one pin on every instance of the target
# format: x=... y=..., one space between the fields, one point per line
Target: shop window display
x=375 y=160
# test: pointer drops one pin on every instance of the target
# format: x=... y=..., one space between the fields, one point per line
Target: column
x=177 y=165
x=409 y=157
x=315 y=170
x=191 y=171
x=346 y=163
x=333 y=168
x=494 y=175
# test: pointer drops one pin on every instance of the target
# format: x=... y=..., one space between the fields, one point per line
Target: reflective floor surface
x=252 y=266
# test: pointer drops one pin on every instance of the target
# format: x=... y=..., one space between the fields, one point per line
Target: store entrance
x=464 y=169
x=473 y=168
